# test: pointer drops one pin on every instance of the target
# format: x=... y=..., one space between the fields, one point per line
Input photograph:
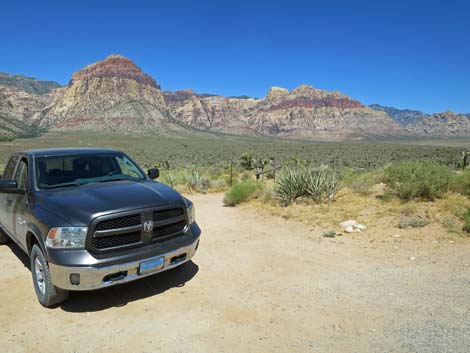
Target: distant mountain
x=403 y=116
x=19 y=112
x=116 y=95
x=443 y=124
x=304 y=112
x=113 y=94
x=27 y=84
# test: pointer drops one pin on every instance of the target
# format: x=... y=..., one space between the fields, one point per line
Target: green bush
x=360 y=182
x=418 y=180
x=240 y=192
x=413 y=222
x=461 y=183
x=318 y=185
x=330 y=234
x=449 y=224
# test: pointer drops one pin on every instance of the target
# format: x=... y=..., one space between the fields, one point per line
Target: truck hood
x=79 y=205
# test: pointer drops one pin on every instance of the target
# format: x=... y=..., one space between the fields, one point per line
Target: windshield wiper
x=64 y=185
x=113 y=179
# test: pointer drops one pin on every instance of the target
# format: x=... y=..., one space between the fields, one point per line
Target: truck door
x=6 y=201
x=20 y=203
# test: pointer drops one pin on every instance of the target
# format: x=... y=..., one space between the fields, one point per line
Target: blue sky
x=407 y=54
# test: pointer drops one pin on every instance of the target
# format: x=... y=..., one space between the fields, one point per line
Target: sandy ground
x=259 y=284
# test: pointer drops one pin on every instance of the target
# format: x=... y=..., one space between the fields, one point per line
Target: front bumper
x=102 y=277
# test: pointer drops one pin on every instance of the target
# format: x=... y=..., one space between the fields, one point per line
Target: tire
x=48 y=294
x=4 y=238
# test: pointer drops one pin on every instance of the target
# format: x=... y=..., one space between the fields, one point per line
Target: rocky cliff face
x=210 y=112
x=443 y=124
x=303 y=112
x=19 y=112
x=113 y=94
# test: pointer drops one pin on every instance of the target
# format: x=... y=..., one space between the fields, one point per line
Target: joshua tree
x=247 y=161
x=465 y=158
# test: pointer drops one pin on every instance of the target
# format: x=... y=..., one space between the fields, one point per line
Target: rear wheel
x=3 y=237
x=48 y=294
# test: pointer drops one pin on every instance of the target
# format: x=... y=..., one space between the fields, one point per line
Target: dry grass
x=443 y=217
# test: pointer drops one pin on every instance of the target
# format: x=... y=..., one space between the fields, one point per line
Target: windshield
x=74 y=170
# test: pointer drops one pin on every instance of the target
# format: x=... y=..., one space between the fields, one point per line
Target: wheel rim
x=39 y=271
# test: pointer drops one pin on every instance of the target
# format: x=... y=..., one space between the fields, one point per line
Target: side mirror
x=8 y=185
x=153 y=173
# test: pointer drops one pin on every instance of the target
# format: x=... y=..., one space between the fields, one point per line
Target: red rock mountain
x=303 y=112
x=114 y=66
x=115 y=94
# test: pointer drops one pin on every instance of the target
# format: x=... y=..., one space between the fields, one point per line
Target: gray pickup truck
x=91 y=218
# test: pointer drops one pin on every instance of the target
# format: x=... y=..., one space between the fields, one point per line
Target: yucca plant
x=289 y=186
x=318 y=185
x=171 y=178
x=197 y=181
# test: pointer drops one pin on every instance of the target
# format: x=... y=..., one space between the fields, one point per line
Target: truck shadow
x=20 y=254
x=120 y=295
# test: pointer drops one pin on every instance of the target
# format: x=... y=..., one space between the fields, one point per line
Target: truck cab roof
x=66 y=151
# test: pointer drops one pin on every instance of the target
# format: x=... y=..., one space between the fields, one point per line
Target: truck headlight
x=67 y=238
x=191 y=214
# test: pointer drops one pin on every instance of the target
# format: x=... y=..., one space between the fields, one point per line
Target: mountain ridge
x=27 y=84
x=116 y=95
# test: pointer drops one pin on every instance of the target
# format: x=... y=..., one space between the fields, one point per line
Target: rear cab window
x=21 y=175
x=10 y=168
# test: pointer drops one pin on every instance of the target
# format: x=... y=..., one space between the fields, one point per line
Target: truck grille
x=169 y=223
x=121 y=222
x=162 y=215
x=116 y=240
x=165 y=232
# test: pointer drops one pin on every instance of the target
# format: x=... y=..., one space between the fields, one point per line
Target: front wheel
x=48 y=294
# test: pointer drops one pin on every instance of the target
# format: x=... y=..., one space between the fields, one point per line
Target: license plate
x=151 y=265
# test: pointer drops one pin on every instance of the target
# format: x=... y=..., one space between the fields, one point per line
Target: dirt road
x=259 y=284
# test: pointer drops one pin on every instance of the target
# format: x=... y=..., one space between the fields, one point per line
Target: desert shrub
x=318 y=185
x=246 y=176
x=461 y=183
x=330 y=234
x=413 y=222
x=450 y=224
x=240 y=192
x=466 y=220
x=362 y=186
x=418 y=180
x=361 y=182
x=218 y=184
